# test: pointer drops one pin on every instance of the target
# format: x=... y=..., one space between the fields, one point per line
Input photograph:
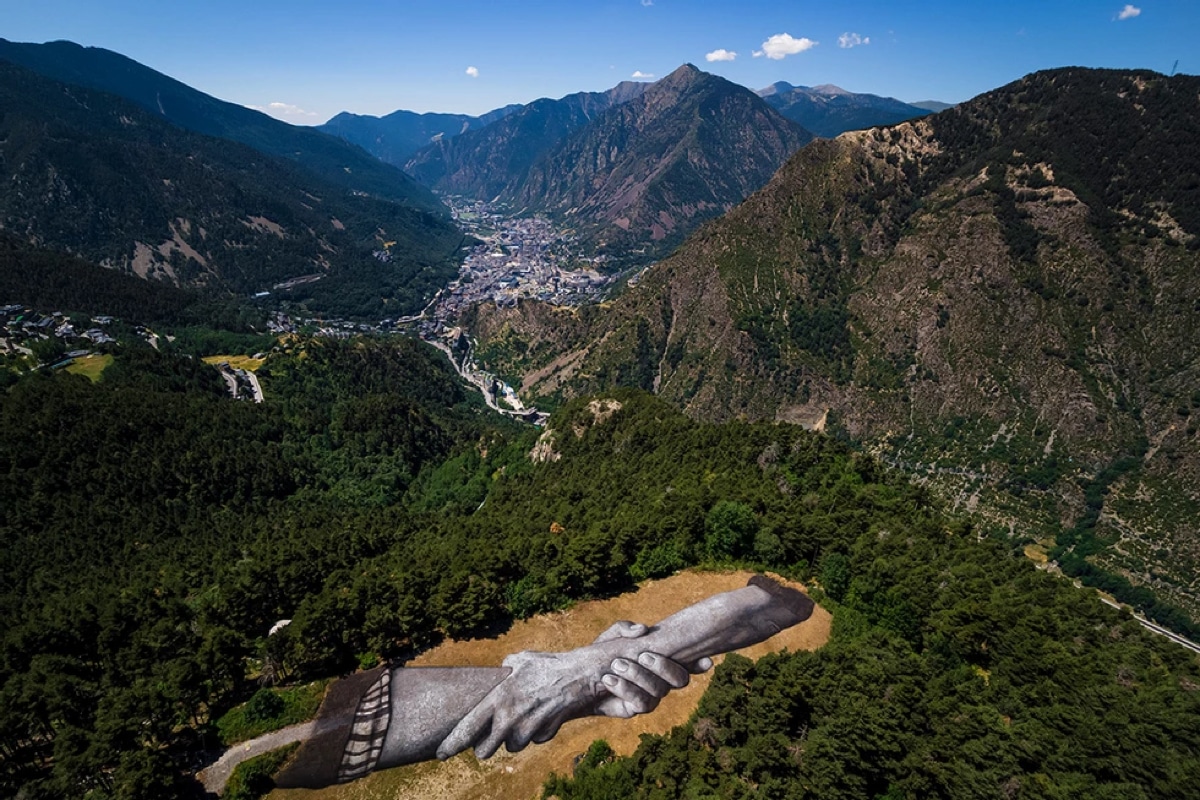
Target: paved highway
x=1159 y=629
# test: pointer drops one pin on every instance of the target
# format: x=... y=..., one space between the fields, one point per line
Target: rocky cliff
x=1002 y=299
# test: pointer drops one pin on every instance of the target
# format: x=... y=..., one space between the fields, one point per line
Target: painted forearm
x=389 y=717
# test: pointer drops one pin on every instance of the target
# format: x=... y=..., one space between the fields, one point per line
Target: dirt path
x=519 y=776
x=216 y=775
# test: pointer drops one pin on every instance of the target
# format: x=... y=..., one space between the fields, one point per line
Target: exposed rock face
x=601 y=411
x=635 y=168
x=1003 y=297
x=688 y=149
x=484 y=163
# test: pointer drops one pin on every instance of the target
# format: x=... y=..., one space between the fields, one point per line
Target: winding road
x=254 y=384
x=482 y=384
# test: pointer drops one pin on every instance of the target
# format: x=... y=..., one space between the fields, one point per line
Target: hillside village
x=76 y=335
x=56 y=340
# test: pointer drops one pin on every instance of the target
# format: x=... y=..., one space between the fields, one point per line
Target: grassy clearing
x=237 y=362
x=90 y=366
x=300 y=703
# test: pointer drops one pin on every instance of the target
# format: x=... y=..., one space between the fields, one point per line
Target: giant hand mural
x=392 y=716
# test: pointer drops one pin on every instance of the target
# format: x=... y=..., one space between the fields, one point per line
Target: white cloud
x=757 y=54
x=647 y=2
x=720 y=55
x=278 y=109
x=782 y=44
x=473 y=72
x=640 y=74
x=848 y=40
x=1129 y=12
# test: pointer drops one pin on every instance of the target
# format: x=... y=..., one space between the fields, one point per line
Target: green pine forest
x=154 y=529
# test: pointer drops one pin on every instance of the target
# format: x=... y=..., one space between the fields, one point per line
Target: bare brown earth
x=519 y=776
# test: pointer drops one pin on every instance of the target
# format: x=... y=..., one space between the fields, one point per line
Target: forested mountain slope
x=47 y=280
x=339 y=163
x=157 y=529
x=1001 y=298
x=96 y=176
x=953 y=672
x=482 y=163
x=153 y=526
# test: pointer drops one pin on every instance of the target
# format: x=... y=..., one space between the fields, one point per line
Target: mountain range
x=482 y=163
x=932 y=105
x=824 y=110
x=829 y=111
x=999 y=299
x=327 y=156
x=991 y=313
x=637 y=167
x=395 y=137
x=633 y=169
x=100 y=177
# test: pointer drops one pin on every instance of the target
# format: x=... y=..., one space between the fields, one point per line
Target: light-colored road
x=424 y=312
x=1154 y=627
x=231 y=382
x=233 y=378
x=258 y=392
x=479 y=382
x=216 y=775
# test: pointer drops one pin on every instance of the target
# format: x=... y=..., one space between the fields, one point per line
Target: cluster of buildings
x=518 y=257
x=21 y=327
x=281 y=323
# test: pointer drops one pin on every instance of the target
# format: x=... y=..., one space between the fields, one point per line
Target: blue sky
x=306 y=60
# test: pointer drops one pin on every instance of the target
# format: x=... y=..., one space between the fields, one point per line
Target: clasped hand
x=544 y=690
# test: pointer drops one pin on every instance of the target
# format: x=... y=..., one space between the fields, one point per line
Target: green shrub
x=264 y=706
x=729 y=529
x=269 y=710
x=835 y=575
x=255 y=777
x=657 y=562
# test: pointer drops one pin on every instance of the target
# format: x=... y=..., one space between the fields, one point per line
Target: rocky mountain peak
x=683 y=77
x=684 y=82
x=829 y=89
x=778 y=87
x=625 y=91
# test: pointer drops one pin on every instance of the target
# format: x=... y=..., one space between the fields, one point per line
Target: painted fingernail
x=648 y=660
x=609 y=680
x=621 y=665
